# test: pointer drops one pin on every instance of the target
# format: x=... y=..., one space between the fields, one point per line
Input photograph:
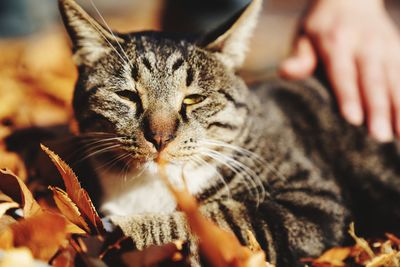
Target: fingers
x=341 y=69
x=303 y=61
x=393 y=77
x=365 y=77
x=375 y=90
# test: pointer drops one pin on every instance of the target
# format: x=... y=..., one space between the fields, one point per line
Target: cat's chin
x=143 y=191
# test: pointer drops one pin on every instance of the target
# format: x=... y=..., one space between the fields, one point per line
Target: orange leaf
x=65 y=258
x=394 y=239
x=68 y=208
x=6 y=239
x=15 y=188
x=76 y=193
x=335 y=256
x=43 y=234
x=220 y=247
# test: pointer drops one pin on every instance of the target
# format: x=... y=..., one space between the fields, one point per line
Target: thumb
x=302 y=62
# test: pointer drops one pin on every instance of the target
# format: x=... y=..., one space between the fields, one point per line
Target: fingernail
x=381 y=129
x=353 y=114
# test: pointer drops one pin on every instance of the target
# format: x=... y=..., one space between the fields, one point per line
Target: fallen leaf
x=6 y=239
x=151 y=256
x=76 y=193
x=68 y=208
x=64 y=258
x=5 y=198
x=15 y=188
x=5 y=206
x=394 y=239
x=220 y=247
x=43 y=234
x=253 y=243
x=5 y=221
x=13 y=162
x=335 y=256
x=361 y=242
x=382 y=260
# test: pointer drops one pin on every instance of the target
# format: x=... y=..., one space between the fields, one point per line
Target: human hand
x=360 y=48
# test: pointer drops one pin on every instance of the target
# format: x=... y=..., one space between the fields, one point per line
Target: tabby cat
x=275 y=159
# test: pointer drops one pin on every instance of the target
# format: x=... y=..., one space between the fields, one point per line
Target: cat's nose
x=160 y=129
x=161 y=140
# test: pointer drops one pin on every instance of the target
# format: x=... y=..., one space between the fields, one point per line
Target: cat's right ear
x=230 y=40
x=90 y=40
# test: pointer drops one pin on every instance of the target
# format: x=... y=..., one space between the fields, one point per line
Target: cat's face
x=169 y=97
x=159 y=96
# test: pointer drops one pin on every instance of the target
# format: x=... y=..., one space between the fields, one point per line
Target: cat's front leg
x=157 y=229
x=161 y=228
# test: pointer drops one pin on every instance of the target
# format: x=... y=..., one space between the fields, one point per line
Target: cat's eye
x=193 y=99
x=128 y=95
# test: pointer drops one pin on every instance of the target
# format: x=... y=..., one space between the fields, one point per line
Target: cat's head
x=160 y=94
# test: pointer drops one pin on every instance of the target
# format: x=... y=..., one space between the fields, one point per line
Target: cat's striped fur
x=297 y=173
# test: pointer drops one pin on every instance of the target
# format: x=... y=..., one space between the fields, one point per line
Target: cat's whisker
x=141 y=170
x=107 y=41
x=114 y=160
x=91 y=134
x=88 y=149
x=103 y=150
x=110 y=31
x=238 y=149
x=126 y=170
x=244 y=168
x=245 y=152
x=81 y=154
x=246 y=179
x=203 y=162
x=90 y=139
x=85 y=140
x=89 y=144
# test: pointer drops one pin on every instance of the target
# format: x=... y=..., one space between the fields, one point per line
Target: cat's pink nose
x=160 y=141
x=160 y=129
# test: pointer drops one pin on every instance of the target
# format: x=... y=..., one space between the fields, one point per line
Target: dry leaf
x=64 y=258
x=361 y=242
x=221 y=248
x=151 y=256
x=15 y=188
x=253 y=243
x=394 y=239
x=334 y=256
x=5 y=206
x=6 y=239
x=43 y=234
x=13 y=162
x=68 y=208
x=382 y=260
x=77 y=194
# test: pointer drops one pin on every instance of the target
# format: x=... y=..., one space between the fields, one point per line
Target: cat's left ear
x=89 y=38
x=230 y=41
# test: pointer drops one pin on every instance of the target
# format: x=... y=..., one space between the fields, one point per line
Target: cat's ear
x=90 y=39
x=230 y=41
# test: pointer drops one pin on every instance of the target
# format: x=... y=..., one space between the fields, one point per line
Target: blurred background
x=37 y=75
x=278 y=24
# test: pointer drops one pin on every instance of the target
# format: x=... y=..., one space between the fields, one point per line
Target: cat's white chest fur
x=146 y=192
